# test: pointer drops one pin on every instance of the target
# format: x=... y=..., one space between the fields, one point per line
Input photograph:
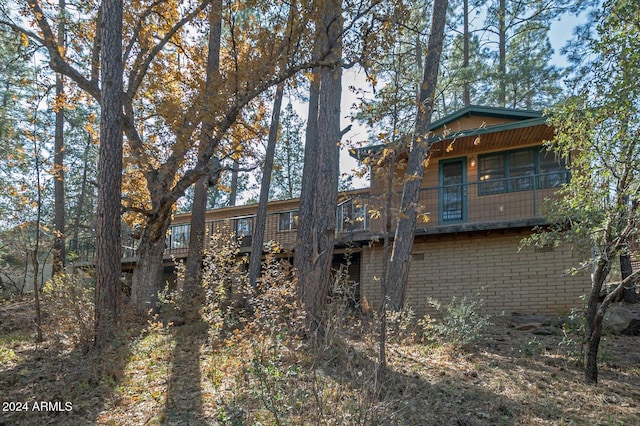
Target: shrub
x=401 y=326
x=461 y=323
x=573 y=331
x=68 y=298
x=275 y=303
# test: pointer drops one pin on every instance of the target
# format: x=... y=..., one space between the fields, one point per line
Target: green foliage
x=530 y=347
x=9 y=344
x=453 y=75
x=286 y=180
x=573 y=331
x=597 y=129
x=395 y=74
x=532 y=81
x=272 y=376
x=461 y=324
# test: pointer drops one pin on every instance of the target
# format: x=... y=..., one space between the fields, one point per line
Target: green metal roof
x=526 y=118
x=485 y=111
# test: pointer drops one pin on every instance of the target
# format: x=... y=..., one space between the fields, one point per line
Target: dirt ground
x=509 y=377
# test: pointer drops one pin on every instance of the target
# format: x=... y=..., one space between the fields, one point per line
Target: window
x=244 y=227
x=491 y=170
x=553 y=170
x=179 y=236
x=452 y=193
x=513 y=171
x=352 y=216
x=522 y=168
x=288 y=221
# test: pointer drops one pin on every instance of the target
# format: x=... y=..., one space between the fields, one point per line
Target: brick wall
x=529 y=281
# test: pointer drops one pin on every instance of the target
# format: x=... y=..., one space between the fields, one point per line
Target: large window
x=520 y=170
x=553 y=170
x=491 y=169
x=352 y=216
x=244 y=227
x=179 y=236
x=288 y=221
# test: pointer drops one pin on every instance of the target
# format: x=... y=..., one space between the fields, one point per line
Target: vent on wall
x=417 y=256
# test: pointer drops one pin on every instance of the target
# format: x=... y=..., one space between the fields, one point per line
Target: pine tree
x=108 y=246
x=315 y=237
x=289 y=156
x=514 y=26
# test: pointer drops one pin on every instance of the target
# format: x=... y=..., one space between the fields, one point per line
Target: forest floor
x=181 y=376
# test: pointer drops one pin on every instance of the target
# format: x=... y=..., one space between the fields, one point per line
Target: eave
x=524 y=131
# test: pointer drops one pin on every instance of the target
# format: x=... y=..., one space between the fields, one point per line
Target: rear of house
x=486 y=186
x=484 y=190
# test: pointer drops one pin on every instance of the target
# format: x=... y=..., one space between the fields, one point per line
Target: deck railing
x=492 y=202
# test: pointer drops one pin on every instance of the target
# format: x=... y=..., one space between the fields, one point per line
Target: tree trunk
x=594 y=324
x=148 y=273
x=81 y=197
x=34 y=253
x=304 y=240
x=466 y=90
x=388 y=225
x=198 y=231
x=108 y=244
x=233 y=194
x=317 y=221
x=197 y=234
x=36 y=293
x=265 y=186
x=199 y=209
x=58 y=161
x=405 y=228
x=626 y=269
x=502 y=54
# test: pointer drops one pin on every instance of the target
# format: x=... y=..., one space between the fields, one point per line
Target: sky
x=561 y=31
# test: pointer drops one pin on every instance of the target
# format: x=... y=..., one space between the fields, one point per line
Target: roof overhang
x=523 y=125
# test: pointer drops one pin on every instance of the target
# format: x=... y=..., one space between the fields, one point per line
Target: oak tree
x=598 y=128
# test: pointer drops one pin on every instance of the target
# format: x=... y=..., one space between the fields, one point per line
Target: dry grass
x=186 y=376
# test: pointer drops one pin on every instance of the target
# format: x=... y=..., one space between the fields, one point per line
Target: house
x=483 y=191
